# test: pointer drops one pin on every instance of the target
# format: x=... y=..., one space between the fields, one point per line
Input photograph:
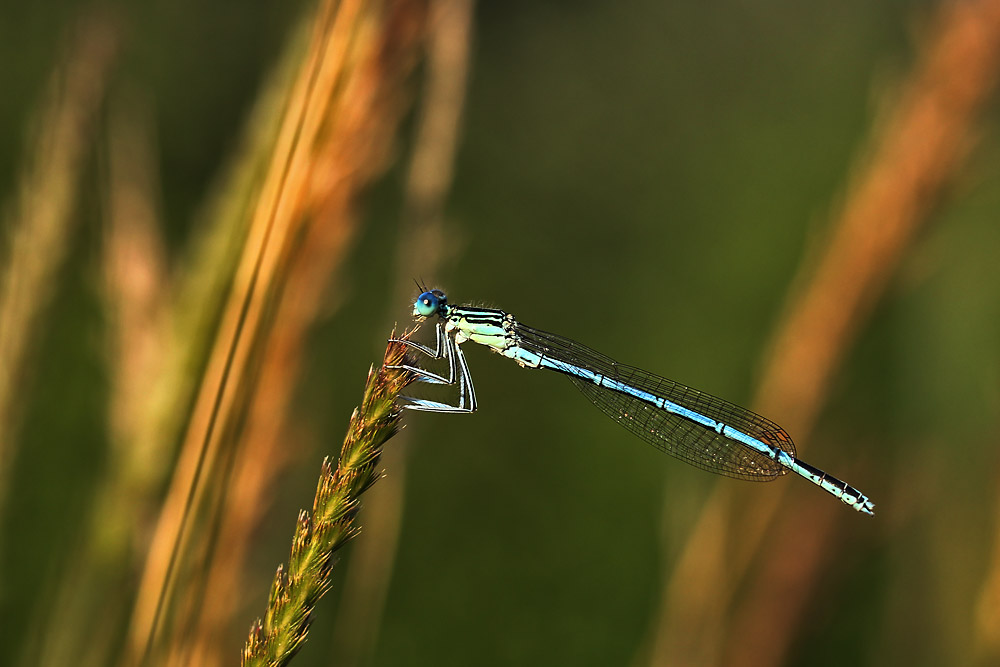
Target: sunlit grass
x=318 y=535
x=204 y=348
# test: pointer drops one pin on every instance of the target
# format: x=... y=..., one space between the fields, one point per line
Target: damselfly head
x=430 y=303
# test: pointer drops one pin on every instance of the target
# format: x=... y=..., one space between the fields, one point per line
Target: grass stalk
x=43 y=219
x=135 y=297
x=361 y=97
x=924 y=139
x=333 y=137
x=318 y=535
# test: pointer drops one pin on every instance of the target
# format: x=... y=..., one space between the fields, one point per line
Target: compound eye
x=426 y=304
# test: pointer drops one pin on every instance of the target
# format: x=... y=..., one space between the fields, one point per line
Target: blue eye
x=426 y=304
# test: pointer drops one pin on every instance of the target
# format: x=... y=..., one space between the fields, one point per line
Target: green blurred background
x=642 y=176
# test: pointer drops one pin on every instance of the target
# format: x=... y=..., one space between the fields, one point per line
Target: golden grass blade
x=337 y=128
x=159 y=332
x=363 y=117
x=235 y=341
x=923 y=140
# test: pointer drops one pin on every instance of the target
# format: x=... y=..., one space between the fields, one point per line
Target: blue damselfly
x=691 y=425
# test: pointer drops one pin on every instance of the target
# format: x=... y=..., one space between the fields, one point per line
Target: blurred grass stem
x=362 y=96
x=338 y=125
x=43 y=219
x=136 y=295
x=923 y=140
x=242 y=322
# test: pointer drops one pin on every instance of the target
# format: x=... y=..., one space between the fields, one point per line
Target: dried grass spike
x=318 y=535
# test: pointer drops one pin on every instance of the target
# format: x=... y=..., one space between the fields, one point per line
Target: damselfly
x=693 y=426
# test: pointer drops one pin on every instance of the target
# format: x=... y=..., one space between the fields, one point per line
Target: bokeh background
x=790 y=205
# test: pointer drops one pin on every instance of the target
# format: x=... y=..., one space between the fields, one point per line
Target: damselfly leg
x=458 y=371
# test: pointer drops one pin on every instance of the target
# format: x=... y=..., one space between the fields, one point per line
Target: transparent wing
x=669 y=432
